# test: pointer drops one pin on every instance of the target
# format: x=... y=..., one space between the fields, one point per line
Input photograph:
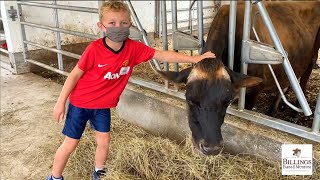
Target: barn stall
x=52 y=39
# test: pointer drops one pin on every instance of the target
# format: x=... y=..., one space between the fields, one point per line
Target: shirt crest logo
x=125 y=63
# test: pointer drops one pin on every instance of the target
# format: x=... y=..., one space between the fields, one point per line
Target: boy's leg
x=62 y=155
x=102 y=151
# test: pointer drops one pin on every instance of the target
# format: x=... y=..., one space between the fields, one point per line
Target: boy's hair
x=114 y=6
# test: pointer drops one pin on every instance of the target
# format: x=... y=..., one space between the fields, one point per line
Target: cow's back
x=296 y=23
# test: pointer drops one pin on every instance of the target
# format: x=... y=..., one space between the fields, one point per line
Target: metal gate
x=311 y=134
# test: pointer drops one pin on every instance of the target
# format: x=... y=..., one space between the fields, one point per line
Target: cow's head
x=210 y=88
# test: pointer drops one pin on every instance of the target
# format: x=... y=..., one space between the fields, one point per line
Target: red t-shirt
x=106 y=72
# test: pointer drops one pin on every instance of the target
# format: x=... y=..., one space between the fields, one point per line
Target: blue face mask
x=117 y=34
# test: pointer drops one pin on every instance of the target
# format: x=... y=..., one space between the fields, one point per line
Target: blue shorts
x=77 y=118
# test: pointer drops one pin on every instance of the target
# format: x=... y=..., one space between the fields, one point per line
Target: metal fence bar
x=23 y=35
x=193 y=19
x=200 y=25
x=4 y=51
x=156 y=87
x=72 y=8
x=232 y=32
x=274 y=123
x=246 y=36
x=47 y=67
x=195 y=8
x=76 y=33
x=66 y=53
x=2 y=35
x=58 y=38
x=316 y=120
x=255 y=117
x=286 y=64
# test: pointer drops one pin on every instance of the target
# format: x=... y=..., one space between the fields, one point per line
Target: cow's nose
x=211 y=150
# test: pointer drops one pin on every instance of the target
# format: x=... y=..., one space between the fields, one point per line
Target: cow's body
x=211 y=86
x=297 y=25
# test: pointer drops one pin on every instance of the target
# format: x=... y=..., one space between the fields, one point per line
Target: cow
x=211 y=86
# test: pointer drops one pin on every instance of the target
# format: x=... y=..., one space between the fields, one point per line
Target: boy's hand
x=208 y=54
x=58 y=111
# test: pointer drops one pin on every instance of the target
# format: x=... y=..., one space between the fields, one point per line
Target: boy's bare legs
x=62 y=155
x=102 y=151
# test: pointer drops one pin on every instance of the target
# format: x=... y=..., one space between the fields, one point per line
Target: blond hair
x=114 y=6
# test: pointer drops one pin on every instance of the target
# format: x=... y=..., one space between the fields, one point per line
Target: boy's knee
x=103 y=139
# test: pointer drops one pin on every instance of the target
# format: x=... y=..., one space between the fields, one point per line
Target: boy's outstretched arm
x=72 y=80
x=171 y=56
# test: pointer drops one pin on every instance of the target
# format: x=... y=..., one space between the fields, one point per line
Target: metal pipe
x=187 y=9
x=272 y=72
x=186 y=20
x=156 y=18
x=232 y=32
x=2 y=35
x=275 y=123
x=23 y=35
x=72 y=8
x=144 y=35
x=76 y=56
x=58 y=38
x=286 y=64
x=200 y=24
x=174 y=28
x=164 y=36
x=4 y=51
x=316 y=120
x=156 y=87
x=245 y=37
x=258 y=118
x=76 y=33
x=47 y=67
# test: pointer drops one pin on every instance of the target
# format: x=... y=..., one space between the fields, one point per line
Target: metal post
x=174 y=25
x=316 y=120
x=246 y=36
x=232 y=32
x=23 y=35
x=200 y=24
x=156 y=18
x=142 y=31
x=164 y=35
x=286 y=64
x=58 y=38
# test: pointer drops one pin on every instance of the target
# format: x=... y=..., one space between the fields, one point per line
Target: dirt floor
x=29 y=137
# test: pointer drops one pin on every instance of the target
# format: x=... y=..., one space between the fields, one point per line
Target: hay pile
x=135 y=154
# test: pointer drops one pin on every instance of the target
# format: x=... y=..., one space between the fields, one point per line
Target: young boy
x=97 y=81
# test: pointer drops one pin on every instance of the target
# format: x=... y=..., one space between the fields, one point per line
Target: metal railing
x=255 y=117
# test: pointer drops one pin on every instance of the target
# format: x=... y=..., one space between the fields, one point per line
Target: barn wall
x=80 y=21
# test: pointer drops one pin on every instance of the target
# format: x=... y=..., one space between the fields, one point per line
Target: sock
x=98 y=168
x=54 y=178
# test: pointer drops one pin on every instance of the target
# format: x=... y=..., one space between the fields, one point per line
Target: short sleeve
x=142 y=52
x=87 y=58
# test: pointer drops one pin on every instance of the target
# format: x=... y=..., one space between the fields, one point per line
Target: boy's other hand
x=58 y=111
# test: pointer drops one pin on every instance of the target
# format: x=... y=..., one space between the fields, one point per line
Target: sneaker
x=98 y=174
x=50 y=178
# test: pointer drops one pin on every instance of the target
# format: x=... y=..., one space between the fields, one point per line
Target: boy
x=97 y=81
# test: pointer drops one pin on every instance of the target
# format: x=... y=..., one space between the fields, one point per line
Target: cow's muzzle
x=210 y=150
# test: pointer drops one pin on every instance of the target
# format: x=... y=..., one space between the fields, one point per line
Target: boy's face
x=114 y=19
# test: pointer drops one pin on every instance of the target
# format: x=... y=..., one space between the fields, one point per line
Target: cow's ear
x=241 y=80
x=177 y=77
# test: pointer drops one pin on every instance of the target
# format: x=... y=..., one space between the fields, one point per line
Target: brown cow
x=297 y=25
x=211 y=87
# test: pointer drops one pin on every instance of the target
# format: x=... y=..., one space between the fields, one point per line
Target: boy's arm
x=72 y=80
x=171 y=56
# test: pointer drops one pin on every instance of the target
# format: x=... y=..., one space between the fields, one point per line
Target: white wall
x=80 y=21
